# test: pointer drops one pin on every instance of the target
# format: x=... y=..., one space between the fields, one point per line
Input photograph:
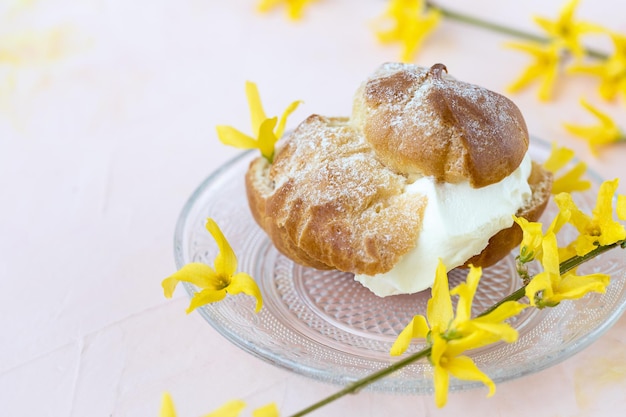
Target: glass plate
x=325 y=325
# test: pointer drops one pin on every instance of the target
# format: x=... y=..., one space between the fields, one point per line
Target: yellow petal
x=228 y=135
x=540 y=282
x=243 y=283
x=230 y=409
x=546 y=87
x=573 y=287
x=585 y=244
x=225 y=261
x=257 y=114
x=464 y=368
x=605 y=132
x=559 y=221
x=503 y=312
x=466 y=291
x=441 y=381
x=532 y=236
x=533 y=49
x=567 y=13
x=502 y=331
x=267 y=138
x=267 y=5
x=588 y=133
x=417 y=327
x=550 y=260
x=283 y=119
x=527 y=76
x=559 y=157
x=604 y=118
x=196 y=273
x=604 y=203
x=544 y=23
x=571 y=181
x=167 y=406
x=205 y=297
x=269 y=410
x=439 y=308
x=473 y=338
x=577 y=218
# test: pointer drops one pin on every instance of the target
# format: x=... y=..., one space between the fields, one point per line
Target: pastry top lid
x=421 y=121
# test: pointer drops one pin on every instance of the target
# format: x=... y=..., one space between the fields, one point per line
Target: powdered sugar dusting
x=347 y=198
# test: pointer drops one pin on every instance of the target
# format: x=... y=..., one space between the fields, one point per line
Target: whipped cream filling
x=458 y=222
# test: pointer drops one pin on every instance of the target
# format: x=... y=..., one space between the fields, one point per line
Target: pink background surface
x=102 y=143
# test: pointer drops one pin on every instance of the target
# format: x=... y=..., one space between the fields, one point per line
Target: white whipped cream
x=458 y=222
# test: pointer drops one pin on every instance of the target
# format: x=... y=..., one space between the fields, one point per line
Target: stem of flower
x=357 y=385
x=496 y=27
x=516 y=295
x=564 y=267
x=575 y=261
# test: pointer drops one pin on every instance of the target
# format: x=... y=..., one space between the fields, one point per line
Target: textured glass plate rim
x=549 y=360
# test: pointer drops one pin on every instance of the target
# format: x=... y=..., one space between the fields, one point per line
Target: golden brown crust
x=420 y=121
x=327 y=202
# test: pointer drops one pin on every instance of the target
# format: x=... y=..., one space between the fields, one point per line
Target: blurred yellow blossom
x=231 y=408
x=548 y=288
x=265 y=130
x=611 y=71
x=294 y=7
x=570 y=181
x=545 y=68
x=449 y=335
x=214 y=283
x=565 y=30
x=603 y=133
x=33 y=48
x=269 y=410
x=600 y=228
x=28 y=52
x=411 y=23
x=167 y=406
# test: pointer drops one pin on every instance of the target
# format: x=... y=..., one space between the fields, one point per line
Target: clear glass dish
x=325 y=325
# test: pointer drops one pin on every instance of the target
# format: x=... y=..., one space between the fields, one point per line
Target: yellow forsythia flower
x=570 y=181
x=604 y=133
x=452 y=335
x=600 y=228
x=533 y=236
x=548 y=288
x=563 y=36
x=230 y=409
x=611 y=71
x=411 y=22
x=265 y=130
x=565 y=30
x=214 y=283
x=544 y=68
x=294 y=7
